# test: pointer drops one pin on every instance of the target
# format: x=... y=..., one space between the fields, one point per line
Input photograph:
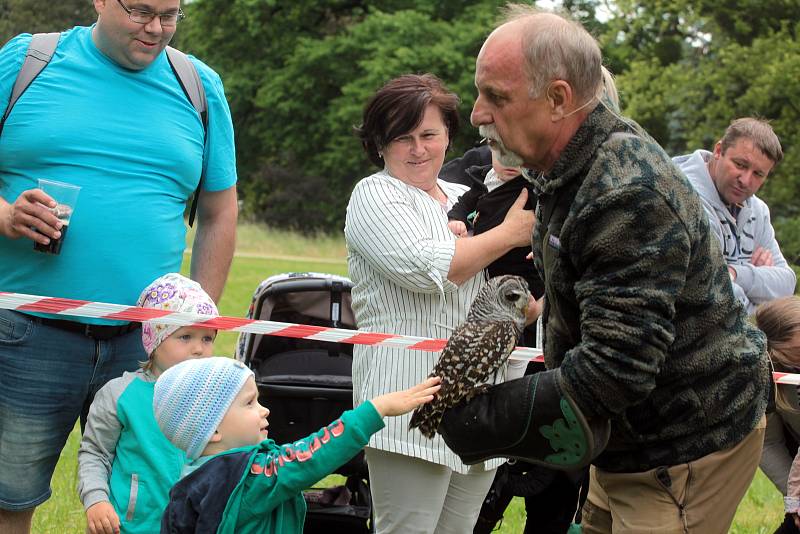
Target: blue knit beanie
x=191 y=398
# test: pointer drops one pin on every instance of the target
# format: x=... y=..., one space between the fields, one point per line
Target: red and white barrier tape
x=119 y=312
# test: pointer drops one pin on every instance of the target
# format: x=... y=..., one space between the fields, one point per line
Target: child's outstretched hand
x=401 y=402
x=102 y=519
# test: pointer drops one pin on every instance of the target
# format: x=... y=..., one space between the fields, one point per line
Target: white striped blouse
x=399 y=254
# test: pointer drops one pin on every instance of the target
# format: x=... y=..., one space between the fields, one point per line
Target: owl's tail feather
x=427 y=419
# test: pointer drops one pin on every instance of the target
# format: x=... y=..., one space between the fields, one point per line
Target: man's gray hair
x=759 y=132
x=556 y=48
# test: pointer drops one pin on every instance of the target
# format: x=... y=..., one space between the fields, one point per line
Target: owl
x=477 y=348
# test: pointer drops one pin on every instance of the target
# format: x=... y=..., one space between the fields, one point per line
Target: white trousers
x=412 y=496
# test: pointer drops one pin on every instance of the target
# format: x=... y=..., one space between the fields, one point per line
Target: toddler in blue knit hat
x=238 y=480
x=125 y=465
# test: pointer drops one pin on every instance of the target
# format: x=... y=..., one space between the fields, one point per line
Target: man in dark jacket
x=641 y=324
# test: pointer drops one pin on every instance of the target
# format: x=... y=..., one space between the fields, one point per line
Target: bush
x=284 y=198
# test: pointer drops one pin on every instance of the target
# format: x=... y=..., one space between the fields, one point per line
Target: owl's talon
x=477 y=390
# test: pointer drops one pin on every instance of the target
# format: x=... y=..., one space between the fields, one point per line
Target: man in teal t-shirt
x=109 y=115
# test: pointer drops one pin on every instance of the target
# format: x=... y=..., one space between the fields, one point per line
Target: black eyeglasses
x=140 y=16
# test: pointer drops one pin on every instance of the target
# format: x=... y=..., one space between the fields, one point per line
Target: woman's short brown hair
x=399 y=106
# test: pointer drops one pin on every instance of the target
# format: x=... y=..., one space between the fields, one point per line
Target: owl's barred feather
x=477 y=348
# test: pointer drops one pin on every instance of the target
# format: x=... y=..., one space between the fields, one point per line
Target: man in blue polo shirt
x=109 y=115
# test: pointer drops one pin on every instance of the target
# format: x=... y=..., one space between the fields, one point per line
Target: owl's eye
x=513 y=297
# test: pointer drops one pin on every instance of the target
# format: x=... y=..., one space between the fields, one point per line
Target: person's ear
x=559 y=97
x=718 y=150
x=216 y=437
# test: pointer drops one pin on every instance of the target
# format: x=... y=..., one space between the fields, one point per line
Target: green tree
x=298 y=74
x=744 y=20
x=32 y=16
x=724 y=71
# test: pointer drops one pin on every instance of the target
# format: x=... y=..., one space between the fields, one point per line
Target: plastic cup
x=66 y=196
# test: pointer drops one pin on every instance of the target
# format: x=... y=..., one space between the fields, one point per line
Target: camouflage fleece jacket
x=640 y=313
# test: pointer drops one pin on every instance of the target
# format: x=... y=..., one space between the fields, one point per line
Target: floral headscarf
x=172 y=292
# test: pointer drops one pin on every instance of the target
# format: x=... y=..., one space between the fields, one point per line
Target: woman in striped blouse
x=413 y=277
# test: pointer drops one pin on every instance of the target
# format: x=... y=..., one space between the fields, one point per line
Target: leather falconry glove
x=530 y=419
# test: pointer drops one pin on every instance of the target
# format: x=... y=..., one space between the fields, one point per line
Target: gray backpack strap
x=40 y=52
x=190 y=81
x=191 y=84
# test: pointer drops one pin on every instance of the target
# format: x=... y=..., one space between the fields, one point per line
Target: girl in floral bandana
x=126 y=466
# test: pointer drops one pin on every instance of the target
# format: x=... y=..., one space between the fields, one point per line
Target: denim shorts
x=47 y=378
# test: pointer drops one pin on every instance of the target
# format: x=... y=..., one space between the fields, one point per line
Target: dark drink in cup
x=63 y=212
x=65 y=196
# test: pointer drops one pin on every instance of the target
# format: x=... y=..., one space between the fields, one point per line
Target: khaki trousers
x=698 y=497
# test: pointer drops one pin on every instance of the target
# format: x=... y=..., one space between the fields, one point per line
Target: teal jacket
x=124 y=458
x=258 y=489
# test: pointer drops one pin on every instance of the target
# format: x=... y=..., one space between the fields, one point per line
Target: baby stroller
x=308 y=383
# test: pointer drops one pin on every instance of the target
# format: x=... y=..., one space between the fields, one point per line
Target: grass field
x=261 y=253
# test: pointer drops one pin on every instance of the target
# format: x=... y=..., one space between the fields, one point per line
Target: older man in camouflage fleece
x=641 y=321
